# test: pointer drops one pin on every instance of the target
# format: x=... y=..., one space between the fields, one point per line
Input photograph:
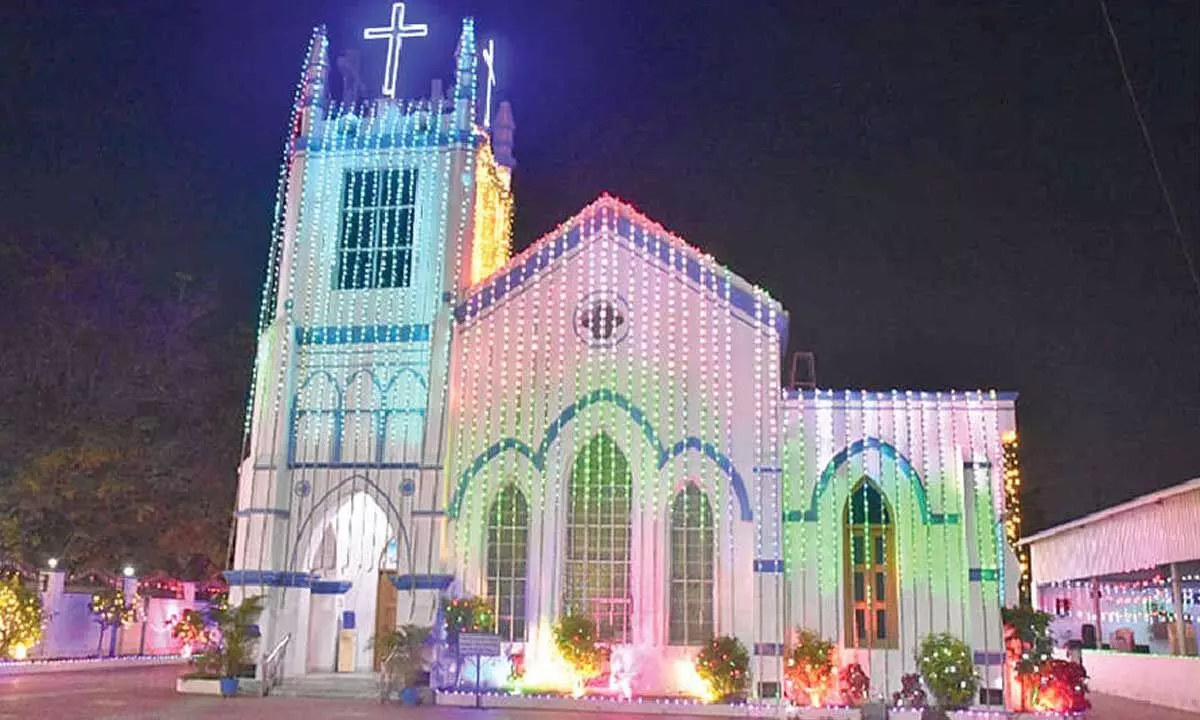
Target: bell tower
x=388 y=210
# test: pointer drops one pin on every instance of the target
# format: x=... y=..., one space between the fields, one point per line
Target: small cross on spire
x=395 y=34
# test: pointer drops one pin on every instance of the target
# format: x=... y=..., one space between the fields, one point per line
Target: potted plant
x=948 y=668
x=809 y=668
x=403 y=664
x=232 y=653
x=724 y=665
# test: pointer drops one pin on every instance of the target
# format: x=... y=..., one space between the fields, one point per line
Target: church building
x=597 y=424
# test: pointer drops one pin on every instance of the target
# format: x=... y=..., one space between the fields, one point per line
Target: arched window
x=692 y=541
x=870 y=565
x=507 y=553
x=598 y=537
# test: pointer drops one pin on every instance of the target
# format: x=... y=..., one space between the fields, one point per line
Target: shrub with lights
x=194 y=631
x=21 y=618
x=468 y=615
x=1061 y=687
x=948 y=668
x=110 y=611
x=575 y=640
x=809 y=668
x=724 y=665
x=855 y=685
x=910 y=695
x=1028 y=646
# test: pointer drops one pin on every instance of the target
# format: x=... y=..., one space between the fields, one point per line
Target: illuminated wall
x=612 y=325
x=492 y=236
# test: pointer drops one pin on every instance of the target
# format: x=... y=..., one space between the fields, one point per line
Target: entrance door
x=386 y=602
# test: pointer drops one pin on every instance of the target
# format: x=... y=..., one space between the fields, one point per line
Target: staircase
x=344 y=686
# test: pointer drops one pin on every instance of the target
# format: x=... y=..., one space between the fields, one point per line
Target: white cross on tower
x=395 y=35
x=489 y=59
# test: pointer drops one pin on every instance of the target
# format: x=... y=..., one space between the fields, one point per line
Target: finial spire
x=466 y=58
x=502 y=136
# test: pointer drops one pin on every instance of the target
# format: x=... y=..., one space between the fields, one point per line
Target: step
x=349 y=686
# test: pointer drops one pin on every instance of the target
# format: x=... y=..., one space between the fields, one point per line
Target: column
x=1096 y=612
x=1177 y=602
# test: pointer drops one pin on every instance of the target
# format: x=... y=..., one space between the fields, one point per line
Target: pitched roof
x=654 y=242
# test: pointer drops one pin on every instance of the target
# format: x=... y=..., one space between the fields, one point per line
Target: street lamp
x=128 y=571
x=53 y=563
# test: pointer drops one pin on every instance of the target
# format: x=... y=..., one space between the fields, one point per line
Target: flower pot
x=410 y=697
x=229 y=686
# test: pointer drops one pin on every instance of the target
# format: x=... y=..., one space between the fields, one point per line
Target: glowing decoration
x=411 y=374
x=52 y=563
x=1012 y=509
x=21 y=617
x=688 y=680
x=394 y=34
x=489 y=59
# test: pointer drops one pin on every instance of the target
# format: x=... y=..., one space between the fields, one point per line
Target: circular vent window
x=602 y=319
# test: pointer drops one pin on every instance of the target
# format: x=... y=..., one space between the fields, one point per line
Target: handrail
x=272 y=666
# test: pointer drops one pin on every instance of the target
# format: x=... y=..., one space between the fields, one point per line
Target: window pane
x=506 y=553
x=597 y=566
x=880 y=550
x=692 y=558
x=860 y=624
x=857 y=553
x=880 y=586
x=860 y=592
x=881 y=624
x=377 y=222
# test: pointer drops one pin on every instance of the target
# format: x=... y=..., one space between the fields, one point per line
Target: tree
x=21 y=617
x=122 y=416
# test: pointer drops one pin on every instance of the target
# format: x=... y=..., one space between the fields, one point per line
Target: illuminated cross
x=395 y=35
x=489 y=59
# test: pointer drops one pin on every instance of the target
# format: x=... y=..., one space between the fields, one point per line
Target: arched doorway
x=347 y=552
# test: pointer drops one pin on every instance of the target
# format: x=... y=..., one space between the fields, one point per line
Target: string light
x=520 y=398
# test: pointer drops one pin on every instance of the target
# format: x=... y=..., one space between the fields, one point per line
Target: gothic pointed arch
x=598 y=538
x=507 y=561
x=869 y=553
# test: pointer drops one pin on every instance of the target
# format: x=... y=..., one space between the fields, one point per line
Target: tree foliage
x=21 y=616
x=121 y=422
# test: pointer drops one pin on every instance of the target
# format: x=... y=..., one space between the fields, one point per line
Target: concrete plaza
x=149 y=693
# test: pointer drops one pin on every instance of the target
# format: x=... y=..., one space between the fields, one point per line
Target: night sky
x=944 y=195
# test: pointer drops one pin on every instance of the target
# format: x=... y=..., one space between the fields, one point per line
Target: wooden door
x=386 y=600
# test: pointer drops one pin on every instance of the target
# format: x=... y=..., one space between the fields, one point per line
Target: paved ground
x=149 y=694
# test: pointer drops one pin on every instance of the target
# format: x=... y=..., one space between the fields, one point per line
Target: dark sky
x=944 y=195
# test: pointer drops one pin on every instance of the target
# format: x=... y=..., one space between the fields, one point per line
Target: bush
x=910 y=694
x=1062 y=688
x=724 y=665
x=809 y=668
x=1032 y=627
x=856 y=685
x=468 y=615
x=193 y=630
x=575 y=640
x=20 y=616
x=949 y=670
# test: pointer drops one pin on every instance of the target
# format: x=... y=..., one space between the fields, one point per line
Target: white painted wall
x=1168 y=681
